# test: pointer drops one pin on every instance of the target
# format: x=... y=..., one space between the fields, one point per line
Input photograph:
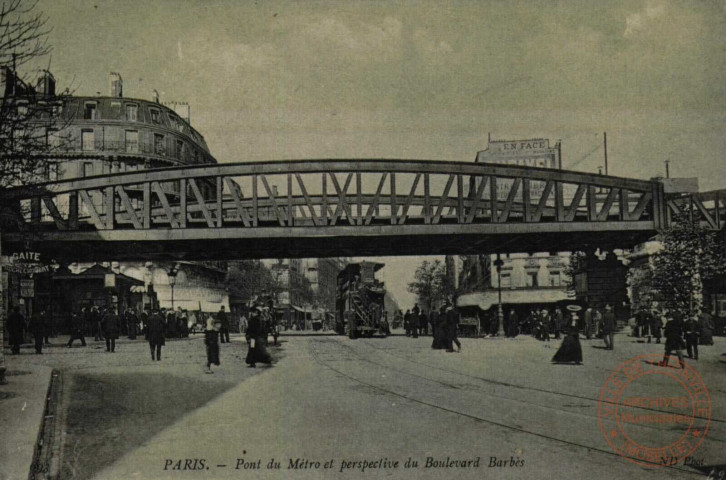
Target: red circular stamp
x=653 y=415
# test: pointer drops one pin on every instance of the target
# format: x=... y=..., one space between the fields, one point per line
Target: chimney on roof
x=46 y=84
x=117 y=85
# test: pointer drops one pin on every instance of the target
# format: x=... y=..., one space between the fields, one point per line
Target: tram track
x=316 y=356
x=566 y=411
x=512 y=385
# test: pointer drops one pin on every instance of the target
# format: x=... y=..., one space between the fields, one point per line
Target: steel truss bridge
x=315 y=208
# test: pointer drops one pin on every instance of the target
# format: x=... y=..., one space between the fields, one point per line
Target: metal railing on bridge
x=360 y=193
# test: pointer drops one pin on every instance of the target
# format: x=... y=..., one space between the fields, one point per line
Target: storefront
x=95 y=287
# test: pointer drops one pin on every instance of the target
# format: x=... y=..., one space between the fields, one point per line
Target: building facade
x=101 y=135
x=525 y=279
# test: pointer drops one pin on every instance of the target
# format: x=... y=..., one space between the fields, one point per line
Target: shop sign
x=28 y=262
x=109 y=280
x=27 y=287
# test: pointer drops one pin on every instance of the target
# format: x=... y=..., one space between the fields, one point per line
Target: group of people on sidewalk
x=36 y=325
x=679 y=333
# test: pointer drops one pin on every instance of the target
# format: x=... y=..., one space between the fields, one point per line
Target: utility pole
x=500 y=312
x=605 y=144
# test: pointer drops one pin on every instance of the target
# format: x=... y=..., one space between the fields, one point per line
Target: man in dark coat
x=452 y=321
x=48 y=323
x=414 y=323
x=36 y=327
x=155 y=334
x=643 y=322
x=78 y=325
x=223 y=319
x=588 y=323
x=95 y=320
x=656 y=324
x=423 y=323
x=441 y=333
x=111 y=328
x=673 y=339
x=512 y=324
x=608 y=327
x=707 y=325
x=407 y=322
x=16 y=327
x=434 y=320
x=255 y=335
x=692 y=332
x=132 y=323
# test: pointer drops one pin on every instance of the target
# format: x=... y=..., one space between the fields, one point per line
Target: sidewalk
x=22 y=402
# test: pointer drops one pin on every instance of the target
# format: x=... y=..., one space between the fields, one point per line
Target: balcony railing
x=133 y=148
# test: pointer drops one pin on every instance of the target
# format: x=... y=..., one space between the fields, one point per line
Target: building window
x=18 y=138
x=154 y=116
x=131 y=112
x=52 y=139
x=87 y=140
x=506 y=280
x=87 y=169
x=532 y=279
x=89 y=111
x=555 y=279
x=53 y=171
x=132 y=141
x=179 y=149
x=159 y=144
x=22 y=109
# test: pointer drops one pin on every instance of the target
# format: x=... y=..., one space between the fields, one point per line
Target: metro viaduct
x=319 y=208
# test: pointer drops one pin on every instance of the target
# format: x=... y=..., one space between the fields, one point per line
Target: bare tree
x=28 y=116
x=31 y=122
x=23 y=33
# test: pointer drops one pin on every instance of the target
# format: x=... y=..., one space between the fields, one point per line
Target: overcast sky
x=420 y=79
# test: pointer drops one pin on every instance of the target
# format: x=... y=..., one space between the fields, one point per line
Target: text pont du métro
x=345 y=465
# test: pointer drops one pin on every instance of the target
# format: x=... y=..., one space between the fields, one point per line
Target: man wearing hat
x=608 y=327
x=674 y=339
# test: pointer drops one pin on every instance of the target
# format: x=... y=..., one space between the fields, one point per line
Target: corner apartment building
x=98 y=135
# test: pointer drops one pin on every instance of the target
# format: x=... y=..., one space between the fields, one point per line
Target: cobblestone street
x=332 y=399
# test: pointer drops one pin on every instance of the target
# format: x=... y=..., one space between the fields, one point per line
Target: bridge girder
x=341 y=207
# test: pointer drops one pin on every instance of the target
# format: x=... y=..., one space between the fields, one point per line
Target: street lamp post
x=500 y=313
x=172 y=281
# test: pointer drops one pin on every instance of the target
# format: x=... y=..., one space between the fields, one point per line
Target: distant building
x=526 y=280
x=535 y=152
x=323 y=276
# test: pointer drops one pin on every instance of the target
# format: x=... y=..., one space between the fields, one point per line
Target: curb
x=46 y=458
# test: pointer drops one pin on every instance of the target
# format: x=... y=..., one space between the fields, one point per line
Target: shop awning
x=485 y=300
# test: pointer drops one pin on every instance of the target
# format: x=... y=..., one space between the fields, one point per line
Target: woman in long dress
x=256 y=337
x=211 y=340
x=570 y=351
